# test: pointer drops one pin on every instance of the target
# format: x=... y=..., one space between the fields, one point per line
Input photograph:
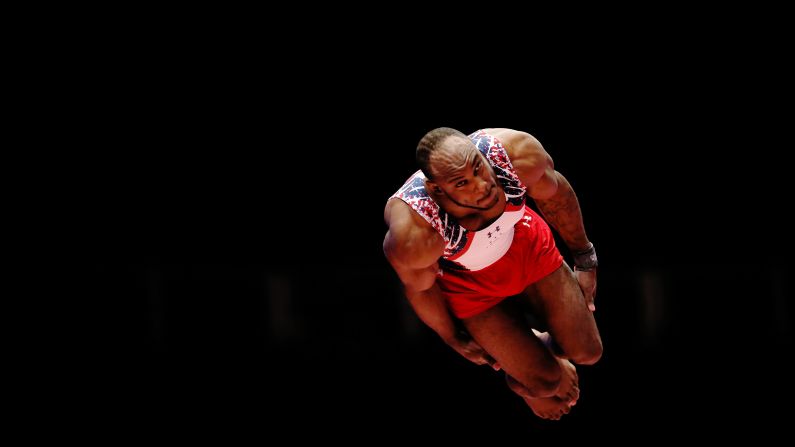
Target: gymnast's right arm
x=413 y=248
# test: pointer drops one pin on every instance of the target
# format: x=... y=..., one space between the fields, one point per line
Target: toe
x=574 y=394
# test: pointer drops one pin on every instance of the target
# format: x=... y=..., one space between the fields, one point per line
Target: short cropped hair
x=430 y=143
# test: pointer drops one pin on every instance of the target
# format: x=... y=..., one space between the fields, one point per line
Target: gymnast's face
x=463 y=175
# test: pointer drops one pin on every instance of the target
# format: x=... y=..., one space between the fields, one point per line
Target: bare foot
x=544 y=407
x=555 y=406
x=569 y=389
x=548 y=407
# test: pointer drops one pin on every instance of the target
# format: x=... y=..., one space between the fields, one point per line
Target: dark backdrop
x=231 y=247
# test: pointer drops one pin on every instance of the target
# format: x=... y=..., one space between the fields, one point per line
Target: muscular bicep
x=534 y=166
x=416 y=278
x=546 y=186
x=413 y=248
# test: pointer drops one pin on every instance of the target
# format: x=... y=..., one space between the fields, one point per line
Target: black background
x=227 y=224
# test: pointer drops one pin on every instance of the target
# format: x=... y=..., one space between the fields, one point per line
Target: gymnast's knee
x=587 y=354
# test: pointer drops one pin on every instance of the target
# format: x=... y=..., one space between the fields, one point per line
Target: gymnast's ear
x=432 y=187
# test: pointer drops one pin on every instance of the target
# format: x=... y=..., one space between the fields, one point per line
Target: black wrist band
x=586 y=259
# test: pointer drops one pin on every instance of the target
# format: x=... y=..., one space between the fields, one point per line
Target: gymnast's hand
x=587 y=281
